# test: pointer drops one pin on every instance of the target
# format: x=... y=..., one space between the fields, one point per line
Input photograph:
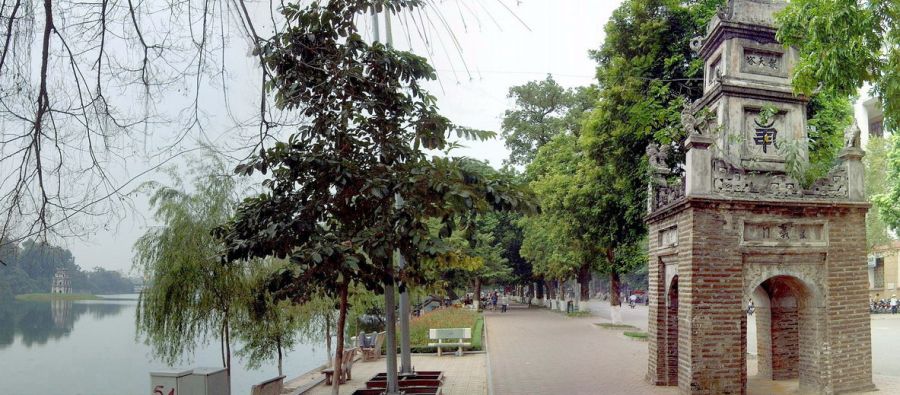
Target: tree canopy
x=868 y=51
x=191 y=297
x=542 y=110
x=888 y=201
x=352 y=185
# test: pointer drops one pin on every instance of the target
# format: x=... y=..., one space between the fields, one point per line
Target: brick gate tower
x=738 y=227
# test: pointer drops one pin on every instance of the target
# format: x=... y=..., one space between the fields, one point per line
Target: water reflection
x=39 y=322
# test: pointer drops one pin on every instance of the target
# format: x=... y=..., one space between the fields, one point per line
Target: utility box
x=168 y=382
x=206 y=381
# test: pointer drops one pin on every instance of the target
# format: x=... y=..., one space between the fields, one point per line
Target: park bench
x=458 y=337
x=346 y=367
x=371 y=352
x=269 y=387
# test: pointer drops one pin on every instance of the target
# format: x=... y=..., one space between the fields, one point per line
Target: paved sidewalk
x=465 y=375
x=536 y=351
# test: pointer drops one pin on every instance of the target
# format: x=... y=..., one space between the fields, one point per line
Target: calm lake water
x=89 y=348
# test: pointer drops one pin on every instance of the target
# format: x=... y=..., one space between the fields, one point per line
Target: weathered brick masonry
x=813 y=296
x=737 y=226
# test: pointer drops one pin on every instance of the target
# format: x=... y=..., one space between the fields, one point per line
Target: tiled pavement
x=536 y=351
x=465 y=375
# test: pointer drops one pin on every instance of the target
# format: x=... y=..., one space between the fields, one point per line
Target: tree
x=81 y=81
x=542 y=110
x=191 y=296
x=351 y=188
x=868 y=51
x=560 y=241
x=646 y=70
x=646 y=73
x=878 y=173
x=271 y=327
x=888 y=201
x=86 y=87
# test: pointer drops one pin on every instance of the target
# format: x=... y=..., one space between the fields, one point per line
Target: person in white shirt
x=894 y=304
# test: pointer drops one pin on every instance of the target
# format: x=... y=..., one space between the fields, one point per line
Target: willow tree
x=351 y=187
x=191 y=297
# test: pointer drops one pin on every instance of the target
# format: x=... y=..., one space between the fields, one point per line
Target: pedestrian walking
x=894 y=304
x=504 y=303
x=494 y=301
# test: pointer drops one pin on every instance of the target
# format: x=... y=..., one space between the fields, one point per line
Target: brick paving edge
x=487 y=356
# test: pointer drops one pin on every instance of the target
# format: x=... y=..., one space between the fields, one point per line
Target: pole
x=405 y=352
x=390 y=335
x=389 y=304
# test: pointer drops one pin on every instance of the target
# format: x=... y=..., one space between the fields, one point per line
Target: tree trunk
x=328 y=363
x=280 y=357
x=540 y=290
x=615 y=300
x=614 y=297
x=339 y=349
x=477 y=298
x=584 y=279
x=228 y=352
x=222 y=345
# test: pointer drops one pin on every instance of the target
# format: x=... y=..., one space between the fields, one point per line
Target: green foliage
x=444 y=318
x=617 y=326
x=876 y=163
x=829 y=115
x=191 y=296
x=543 y=109
x=555 y=241
x=29 y=268
x=271 y=326
x=646 y=70
x=867 y=51
x=888 y=201
x=352 y=185
x=636 y=335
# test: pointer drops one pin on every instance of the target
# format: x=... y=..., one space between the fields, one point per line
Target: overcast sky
x=554 y=37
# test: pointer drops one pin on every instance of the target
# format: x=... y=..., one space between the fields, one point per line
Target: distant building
x=884 y=271
x=874 y=117
x=62 y=282
x=870 y=116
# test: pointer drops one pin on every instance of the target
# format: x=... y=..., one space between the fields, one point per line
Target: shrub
x=444 y=318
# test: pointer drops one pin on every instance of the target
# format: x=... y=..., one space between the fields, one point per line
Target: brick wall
x=823 y=341
x=785 y=335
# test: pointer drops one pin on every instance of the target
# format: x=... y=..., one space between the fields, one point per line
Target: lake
x=89 y=348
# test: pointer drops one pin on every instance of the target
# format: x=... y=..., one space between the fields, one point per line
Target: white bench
x=459 y=337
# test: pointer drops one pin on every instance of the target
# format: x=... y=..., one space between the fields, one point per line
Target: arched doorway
x=672 y=333
x=785 y=326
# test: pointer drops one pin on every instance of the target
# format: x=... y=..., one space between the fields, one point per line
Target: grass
x=579 y=314
x=636 y=335
x=46 y=297
x=616 y=326
x=445 y=318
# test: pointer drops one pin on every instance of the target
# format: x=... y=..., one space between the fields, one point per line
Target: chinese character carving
x=765 y=135
x=784 y=231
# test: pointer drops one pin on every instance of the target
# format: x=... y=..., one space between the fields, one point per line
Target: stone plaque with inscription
x=775 y=233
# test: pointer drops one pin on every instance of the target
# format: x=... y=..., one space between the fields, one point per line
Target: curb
x=490 y=376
